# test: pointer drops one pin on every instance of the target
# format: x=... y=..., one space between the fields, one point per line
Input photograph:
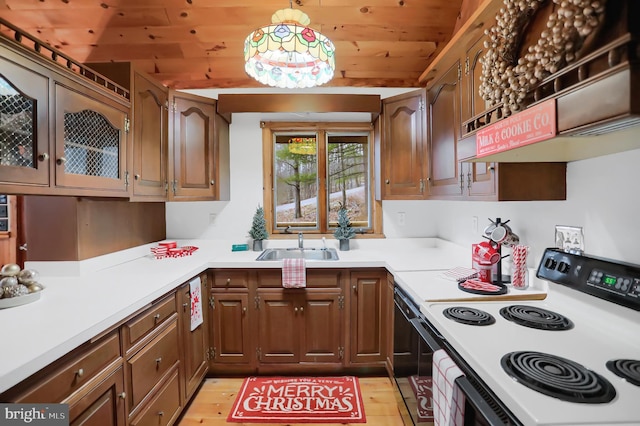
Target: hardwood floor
x=213 y=402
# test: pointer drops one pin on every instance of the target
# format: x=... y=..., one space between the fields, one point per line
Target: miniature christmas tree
x=344 y=231
x=258 y=229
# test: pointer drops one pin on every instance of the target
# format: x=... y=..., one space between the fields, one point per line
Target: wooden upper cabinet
x=444 y=119
x=198 y=138
x=478 y=179
x=404 y=150
x=24 y=127
x=472 y=102
x=149 y=129
x=91 y=134
x=65 y=135
x=150 y=139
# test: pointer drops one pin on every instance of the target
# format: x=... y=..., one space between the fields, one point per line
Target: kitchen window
x=312 y=170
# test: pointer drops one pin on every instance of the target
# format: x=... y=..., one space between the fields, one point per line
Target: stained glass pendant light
x=289 y=54
x=305 y=146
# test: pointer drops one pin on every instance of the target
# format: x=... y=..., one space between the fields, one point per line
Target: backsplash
x=602 y=197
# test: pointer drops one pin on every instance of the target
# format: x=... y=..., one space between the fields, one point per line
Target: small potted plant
x=258 y=229
x=344 y=231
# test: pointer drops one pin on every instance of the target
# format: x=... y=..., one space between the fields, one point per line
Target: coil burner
x=470 y=316
x=534 y=317
x=628 y=369
x=557 y=377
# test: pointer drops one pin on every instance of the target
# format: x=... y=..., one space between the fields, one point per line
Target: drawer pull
x=295 y=309
x=158 y=360
x=80 y=373
x=122 y=395
x=301 y=309
x=156 y=317
x=160 y=413
x=228 y=281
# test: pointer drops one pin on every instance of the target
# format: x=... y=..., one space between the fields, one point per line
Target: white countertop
x=83 y=299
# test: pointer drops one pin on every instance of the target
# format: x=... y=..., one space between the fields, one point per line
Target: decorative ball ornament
x=507 y=79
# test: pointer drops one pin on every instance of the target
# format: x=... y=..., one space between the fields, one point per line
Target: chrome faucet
x=300 y=240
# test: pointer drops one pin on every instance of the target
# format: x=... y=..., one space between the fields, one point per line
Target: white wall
x=603 y=197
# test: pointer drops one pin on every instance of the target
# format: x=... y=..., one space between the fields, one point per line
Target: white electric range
x=593 y=310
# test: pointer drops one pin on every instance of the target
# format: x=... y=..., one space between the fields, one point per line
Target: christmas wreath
x=507 y=79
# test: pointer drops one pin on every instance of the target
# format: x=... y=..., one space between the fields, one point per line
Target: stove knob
x=563 y=267
x=550 y=263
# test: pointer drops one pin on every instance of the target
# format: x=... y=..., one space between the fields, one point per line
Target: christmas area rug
x=298 y=400
x=422 y=388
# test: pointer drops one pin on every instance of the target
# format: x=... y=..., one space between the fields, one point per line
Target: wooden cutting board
x=490 y=298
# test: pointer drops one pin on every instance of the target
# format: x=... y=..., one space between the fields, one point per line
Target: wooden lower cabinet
x=230 y=339
x=300 y=326
x=195 y=343
x=369 y=316
x=102 y=405
x=341 y=321
x=165 y=407
x=90 y=379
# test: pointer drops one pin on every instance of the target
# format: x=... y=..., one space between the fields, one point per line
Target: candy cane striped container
x=519 y=268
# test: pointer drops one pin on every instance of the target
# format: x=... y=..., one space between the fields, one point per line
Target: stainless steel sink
x=298 y=253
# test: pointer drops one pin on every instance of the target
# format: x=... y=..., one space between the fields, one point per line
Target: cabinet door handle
x=295 y=309
x=213 y=182
x=60 y=161
x=244 y=309
x=136 y=176
x=43 y=157
x=80 y=372
x=355 y=289
x=185 y=305
x=301 y=309
x=158 y=360
x=386 y=181
x=160 y=413
x=122 y=395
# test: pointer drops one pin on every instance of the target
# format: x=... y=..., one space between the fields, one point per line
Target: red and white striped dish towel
x=294 y=273
x=448 y=399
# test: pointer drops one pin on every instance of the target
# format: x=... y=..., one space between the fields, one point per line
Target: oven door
x=415 y=341
x=406 y=361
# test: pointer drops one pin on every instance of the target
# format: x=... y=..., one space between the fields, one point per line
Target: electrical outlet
x=474 y=224
x=401 y=218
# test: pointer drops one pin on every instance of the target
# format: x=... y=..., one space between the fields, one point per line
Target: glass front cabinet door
x=24 y=137
x=90 y=145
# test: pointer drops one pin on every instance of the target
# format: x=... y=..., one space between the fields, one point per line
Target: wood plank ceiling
x=192 y=44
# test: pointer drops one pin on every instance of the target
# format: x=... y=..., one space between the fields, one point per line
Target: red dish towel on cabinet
x=448 y=399
x=294 y=273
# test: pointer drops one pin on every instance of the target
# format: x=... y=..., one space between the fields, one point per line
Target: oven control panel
x=618 y=282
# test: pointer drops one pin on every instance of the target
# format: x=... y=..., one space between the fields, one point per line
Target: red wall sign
x=534 y=124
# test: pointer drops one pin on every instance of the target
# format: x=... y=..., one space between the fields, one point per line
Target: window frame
x=321 y=129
